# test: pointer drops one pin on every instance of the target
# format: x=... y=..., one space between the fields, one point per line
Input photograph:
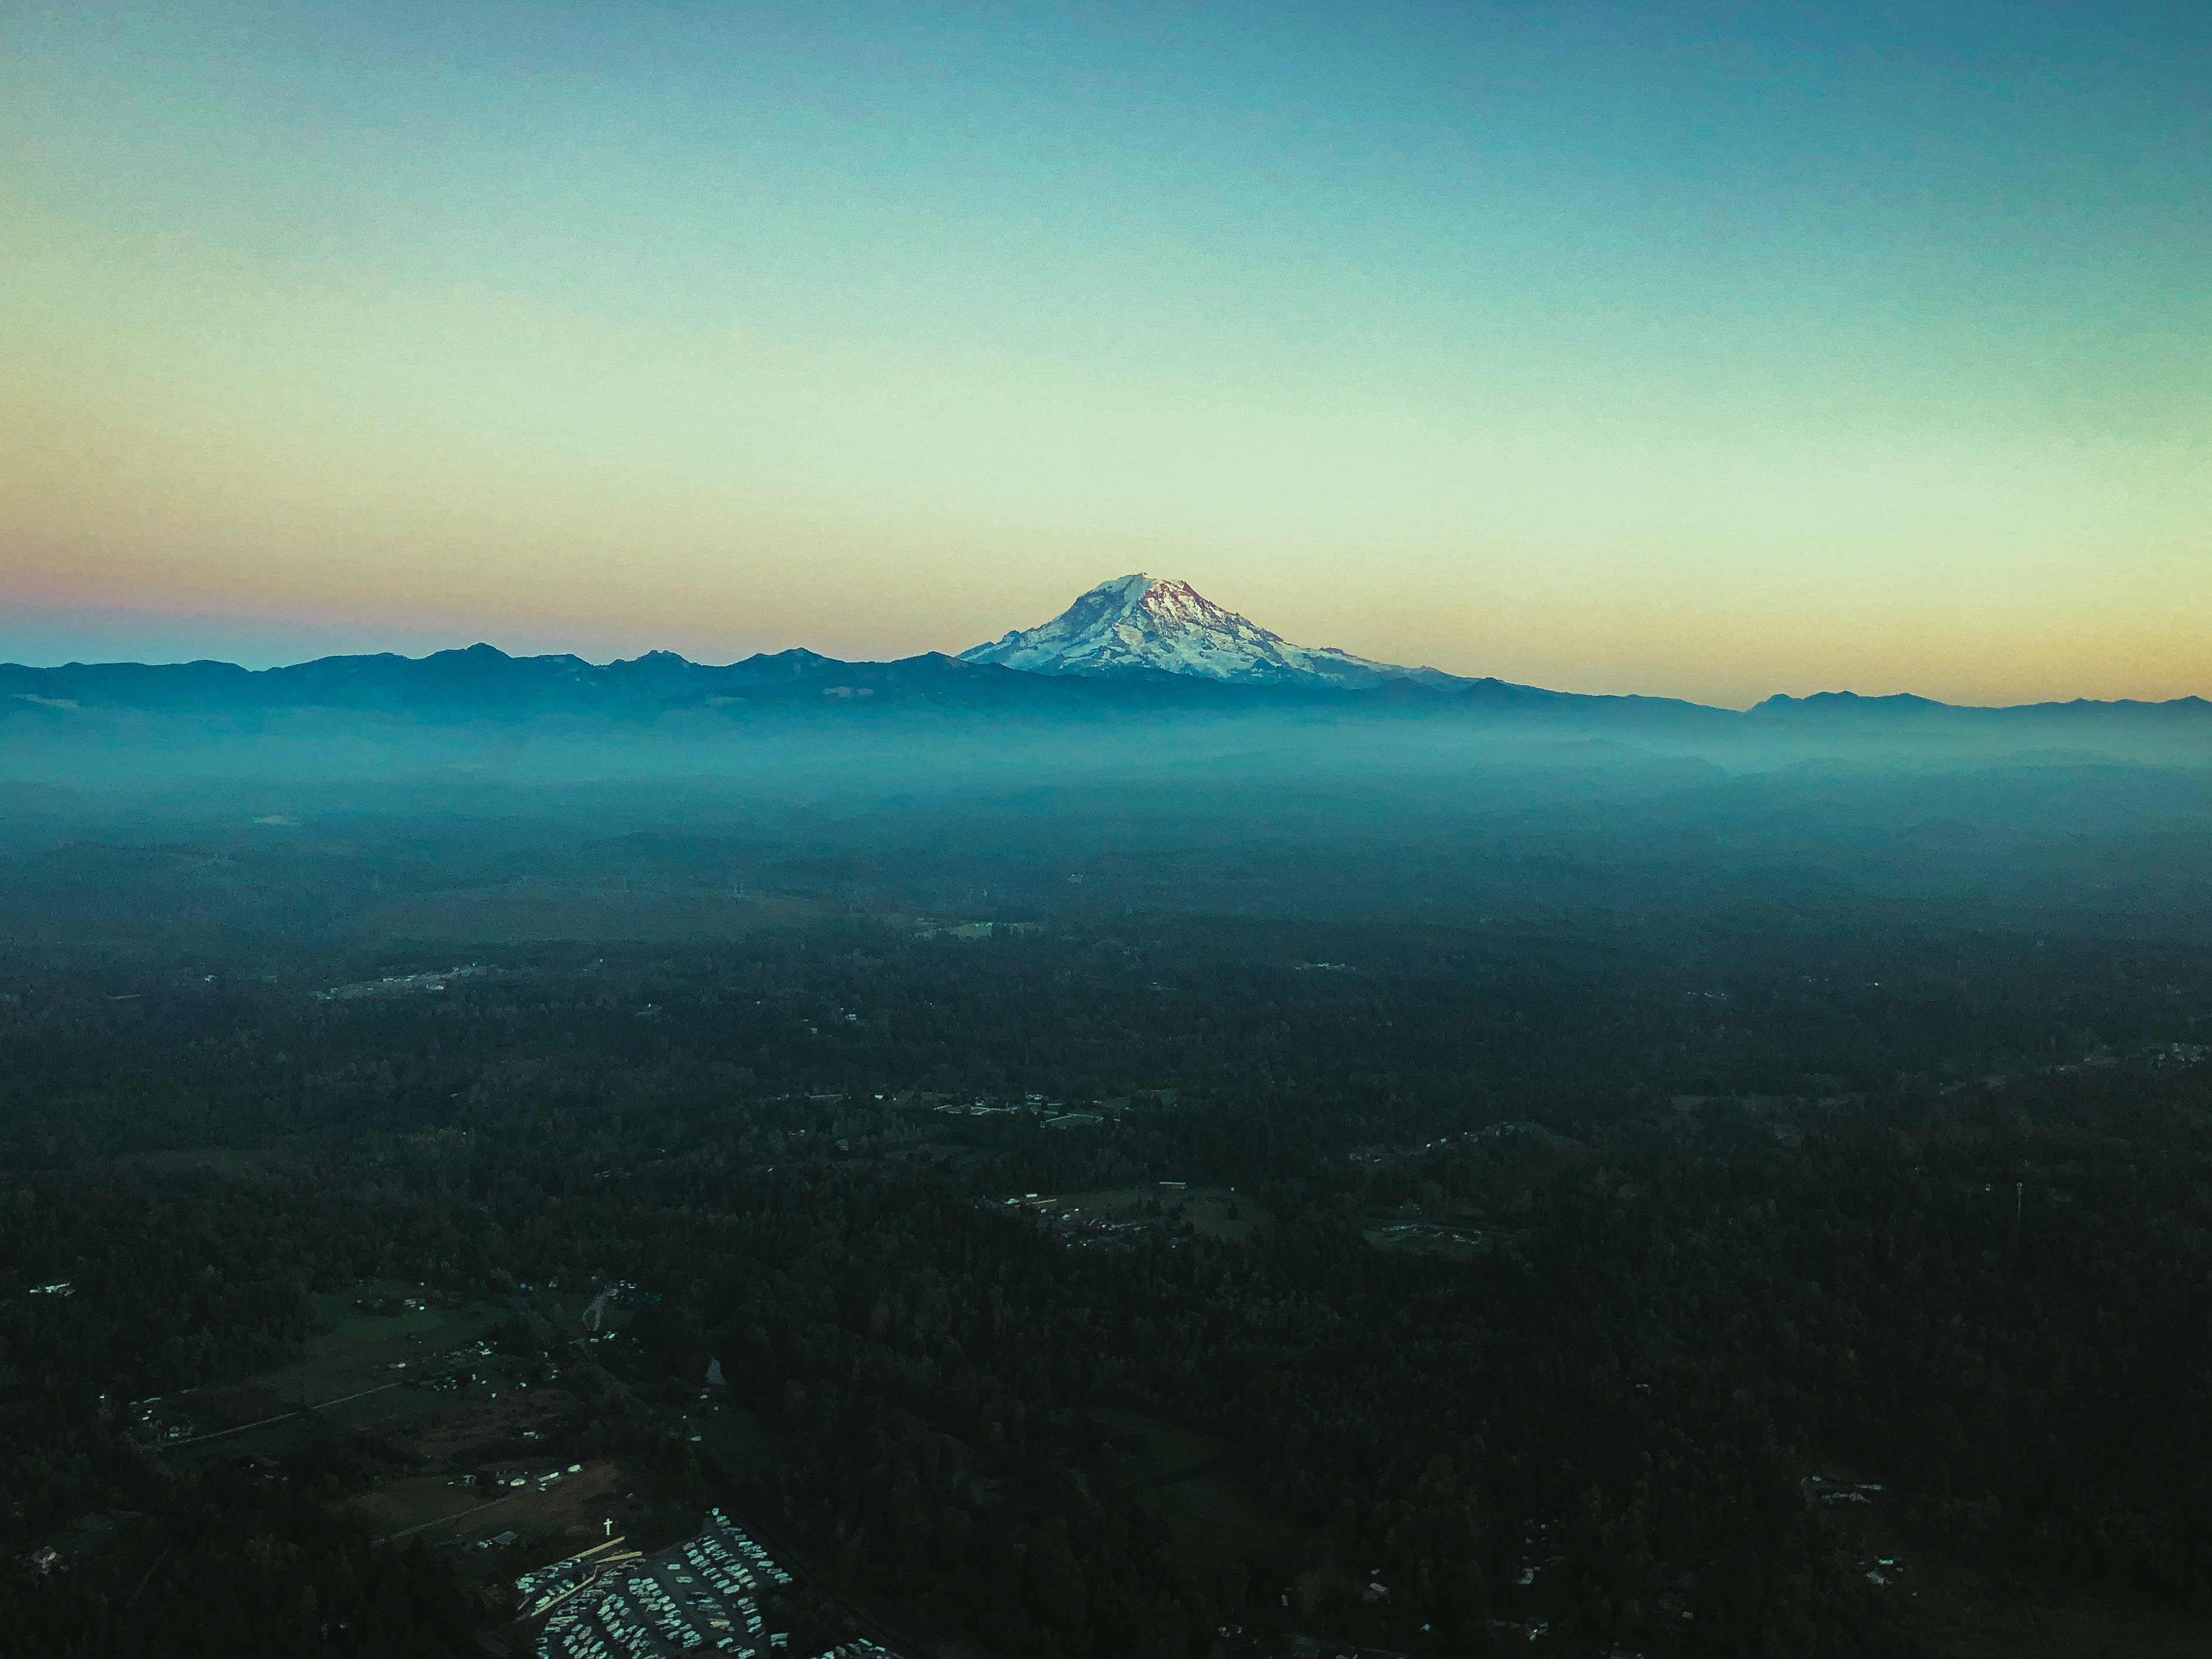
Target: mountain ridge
x=1141 y=625
x=482 y=680
x=1134 y=644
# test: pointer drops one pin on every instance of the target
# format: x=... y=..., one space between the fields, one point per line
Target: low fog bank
x=850 y=746
x=224 y=839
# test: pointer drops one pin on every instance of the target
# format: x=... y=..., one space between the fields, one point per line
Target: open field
x=1403 y=1238
x=437 y=1426
x=88 y=1534
x=1183 y=1478
x=417 y=1502
x=429 y=1438
x=573 y=1507
x=357 y=1352
x=359 y=1376
x=1208 y=1209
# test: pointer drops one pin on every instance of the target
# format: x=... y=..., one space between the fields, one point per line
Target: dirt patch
x=455 y=1434
x=572 y=1507
x=404 y=1505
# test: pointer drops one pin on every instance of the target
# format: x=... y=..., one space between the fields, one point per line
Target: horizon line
x=1893 y=699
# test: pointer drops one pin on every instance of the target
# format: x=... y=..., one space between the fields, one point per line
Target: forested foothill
x=1624 y=1224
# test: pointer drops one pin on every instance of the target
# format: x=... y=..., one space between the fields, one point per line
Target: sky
x=1699 y=349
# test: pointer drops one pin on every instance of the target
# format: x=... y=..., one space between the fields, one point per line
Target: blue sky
x=1713 y=351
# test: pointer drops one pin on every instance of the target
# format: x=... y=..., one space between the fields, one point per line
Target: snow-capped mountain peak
x=1142 y=625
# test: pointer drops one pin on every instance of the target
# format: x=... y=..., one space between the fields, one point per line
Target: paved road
x=458 y=1514
x=171 y=1445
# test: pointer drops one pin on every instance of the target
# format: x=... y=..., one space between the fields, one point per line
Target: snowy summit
x=1137 y=626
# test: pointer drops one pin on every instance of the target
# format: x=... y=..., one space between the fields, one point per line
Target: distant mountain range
x=484 y=682
x=1135 y=643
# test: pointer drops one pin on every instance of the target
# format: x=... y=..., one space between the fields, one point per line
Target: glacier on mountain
x=1140 y=625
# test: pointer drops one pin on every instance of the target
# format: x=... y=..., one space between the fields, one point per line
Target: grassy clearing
x=1397 y=1240
x=1183 y=1477
x=355 y=1333
x=549 y=1522
x=88 y=1534
x=404 y=1477
x=437 y=1426
x=400 y=1506
x=357 y=1351
x=1212 y=1211
x=393 y=1411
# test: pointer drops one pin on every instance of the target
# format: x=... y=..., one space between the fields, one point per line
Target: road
x=458 y=1514
x=281 y=1417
